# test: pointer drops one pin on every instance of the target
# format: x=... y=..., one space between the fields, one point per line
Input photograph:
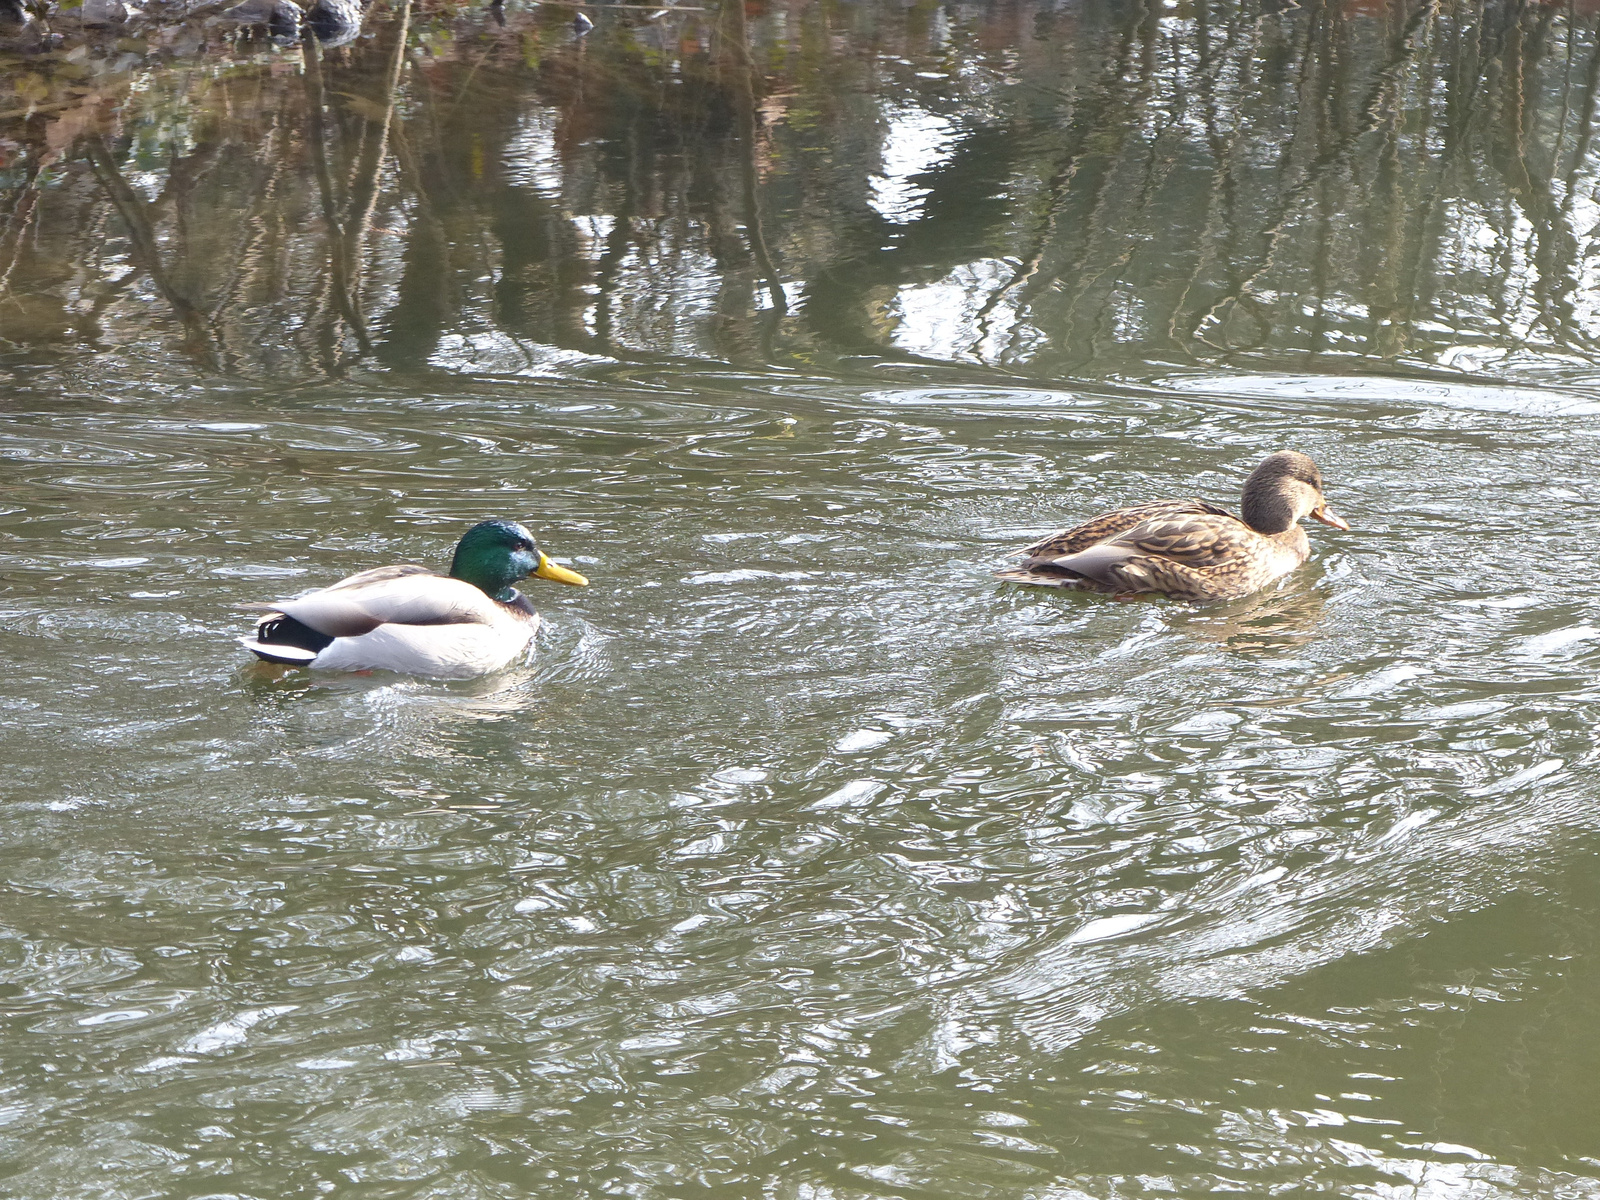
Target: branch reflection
x=1084 y=190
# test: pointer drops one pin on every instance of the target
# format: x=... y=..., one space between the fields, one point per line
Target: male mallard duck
x=1189 y=549
x=409 y=619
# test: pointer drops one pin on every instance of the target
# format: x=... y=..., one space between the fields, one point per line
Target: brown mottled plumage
x=1189 y=549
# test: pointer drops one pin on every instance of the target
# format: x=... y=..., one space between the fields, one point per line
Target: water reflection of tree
x=136 y=217
x=1110 y=184
x=370 y=115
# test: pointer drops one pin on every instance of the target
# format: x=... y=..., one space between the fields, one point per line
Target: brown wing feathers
x=1185 y=548
x=1196 y=541
x=1109 y=525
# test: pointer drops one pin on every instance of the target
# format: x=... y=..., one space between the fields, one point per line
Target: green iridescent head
x=493 y=555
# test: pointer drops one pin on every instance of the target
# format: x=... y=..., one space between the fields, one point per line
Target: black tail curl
x=286 y=631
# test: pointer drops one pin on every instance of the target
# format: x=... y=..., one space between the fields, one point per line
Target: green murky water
x=800 y=860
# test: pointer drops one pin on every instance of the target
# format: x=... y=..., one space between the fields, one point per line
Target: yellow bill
x=548 y=570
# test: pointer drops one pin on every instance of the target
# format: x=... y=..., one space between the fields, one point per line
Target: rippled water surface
x=801 y=859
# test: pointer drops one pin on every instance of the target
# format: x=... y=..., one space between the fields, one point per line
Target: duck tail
x=282 y=639
x=293 y=656
x=1042 y=575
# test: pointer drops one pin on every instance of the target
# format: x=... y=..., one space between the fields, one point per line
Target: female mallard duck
x=409 y=619
x=1188 y=549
